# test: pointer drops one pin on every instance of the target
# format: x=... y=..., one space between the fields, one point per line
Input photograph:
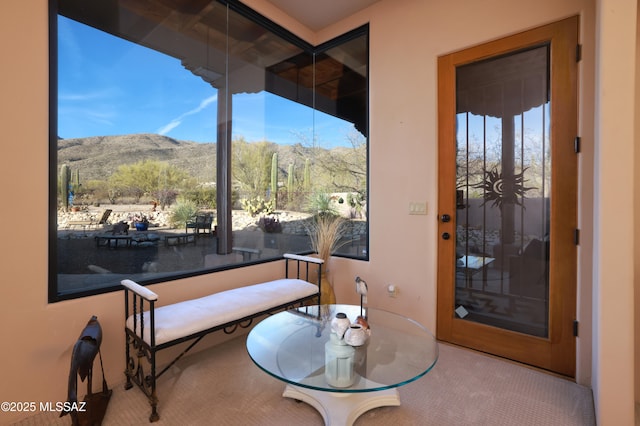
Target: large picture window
x=196 y=137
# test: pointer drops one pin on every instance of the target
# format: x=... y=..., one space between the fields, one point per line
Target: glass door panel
x=503 y=192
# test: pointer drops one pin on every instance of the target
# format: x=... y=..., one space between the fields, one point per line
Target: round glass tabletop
x=297 y=347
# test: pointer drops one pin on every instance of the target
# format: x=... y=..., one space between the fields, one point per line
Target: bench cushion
x=192 y=316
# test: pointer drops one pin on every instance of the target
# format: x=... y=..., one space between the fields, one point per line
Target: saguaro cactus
x=307 y=175
x=65 y=185
x=274 y=179
x=290 y=182
x=75 y=180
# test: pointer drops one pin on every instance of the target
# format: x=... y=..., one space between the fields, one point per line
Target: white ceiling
x=318 y=14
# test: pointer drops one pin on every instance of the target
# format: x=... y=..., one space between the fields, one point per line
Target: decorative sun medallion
x=501 y=190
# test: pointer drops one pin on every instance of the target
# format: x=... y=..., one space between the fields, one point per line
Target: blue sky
x=109 y=86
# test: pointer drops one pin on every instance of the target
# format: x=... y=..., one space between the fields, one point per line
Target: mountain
x=98 y=157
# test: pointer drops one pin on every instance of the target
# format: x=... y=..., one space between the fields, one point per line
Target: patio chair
x=202 y=222
x=91 y=222
x=529 y=272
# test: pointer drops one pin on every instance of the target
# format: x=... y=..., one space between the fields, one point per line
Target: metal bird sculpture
x=84 y=352
x=362 y=289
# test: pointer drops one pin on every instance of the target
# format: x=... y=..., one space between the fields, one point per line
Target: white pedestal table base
x=342 y=409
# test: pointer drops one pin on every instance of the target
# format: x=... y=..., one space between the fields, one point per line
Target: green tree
x=251 y=166
x=149 y=177
x=95 y=191
x=202 y=196
x=345 y=168
x=340 y=169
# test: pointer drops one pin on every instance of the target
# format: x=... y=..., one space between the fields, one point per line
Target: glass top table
x=294 y=346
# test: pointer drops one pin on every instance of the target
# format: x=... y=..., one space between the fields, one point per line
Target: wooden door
x=507 y=203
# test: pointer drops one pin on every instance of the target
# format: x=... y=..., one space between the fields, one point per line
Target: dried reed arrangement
x=326 y=232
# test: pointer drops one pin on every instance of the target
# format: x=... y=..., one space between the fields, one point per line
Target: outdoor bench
x=179 y=239
x=149 y=329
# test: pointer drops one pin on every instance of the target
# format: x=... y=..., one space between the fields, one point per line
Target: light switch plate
x=418 y=207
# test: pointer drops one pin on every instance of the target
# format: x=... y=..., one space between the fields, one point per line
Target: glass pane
x=503 y=192
x=143 y=98
x=136 y=153
x=298 y=148
x=341 y=130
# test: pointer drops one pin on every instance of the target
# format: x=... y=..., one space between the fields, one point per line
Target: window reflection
x=503 y=190
x=148 y=95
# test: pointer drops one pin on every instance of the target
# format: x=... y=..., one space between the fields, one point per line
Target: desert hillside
x=98 y=157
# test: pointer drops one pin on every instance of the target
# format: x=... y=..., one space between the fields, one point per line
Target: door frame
x=557 y=352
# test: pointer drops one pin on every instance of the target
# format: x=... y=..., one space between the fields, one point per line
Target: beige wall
x=613 y=310
x=406 y=38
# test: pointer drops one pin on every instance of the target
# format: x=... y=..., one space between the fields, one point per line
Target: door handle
x=446 y=236
x=445 y=218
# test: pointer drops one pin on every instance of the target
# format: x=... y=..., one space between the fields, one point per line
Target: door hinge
x=578 y=52
x=577 y=144
x=575 y=328
x=576 y=236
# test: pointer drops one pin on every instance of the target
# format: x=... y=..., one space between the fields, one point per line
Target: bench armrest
x=303 y=258
x=302 y=269
x=140 y=290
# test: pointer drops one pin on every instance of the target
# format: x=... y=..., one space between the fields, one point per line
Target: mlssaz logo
x=66 y=406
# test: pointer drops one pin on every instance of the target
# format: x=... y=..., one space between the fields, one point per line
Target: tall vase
x=327 y=296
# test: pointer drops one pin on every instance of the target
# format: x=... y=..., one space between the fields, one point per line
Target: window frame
x=245 y=11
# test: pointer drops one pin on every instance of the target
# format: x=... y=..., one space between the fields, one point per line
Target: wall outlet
x=392 y=290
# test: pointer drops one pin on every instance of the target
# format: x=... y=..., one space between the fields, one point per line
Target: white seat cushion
x=192 y=316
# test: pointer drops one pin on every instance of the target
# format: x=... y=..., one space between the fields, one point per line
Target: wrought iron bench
x=149 y=329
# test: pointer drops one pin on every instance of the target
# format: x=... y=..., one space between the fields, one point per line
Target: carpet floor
x=222 y=386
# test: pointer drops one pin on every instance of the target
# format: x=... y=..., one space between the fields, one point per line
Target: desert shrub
x=321 y=203
x=270 y=224
x=203 y=197
x=182 y=212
